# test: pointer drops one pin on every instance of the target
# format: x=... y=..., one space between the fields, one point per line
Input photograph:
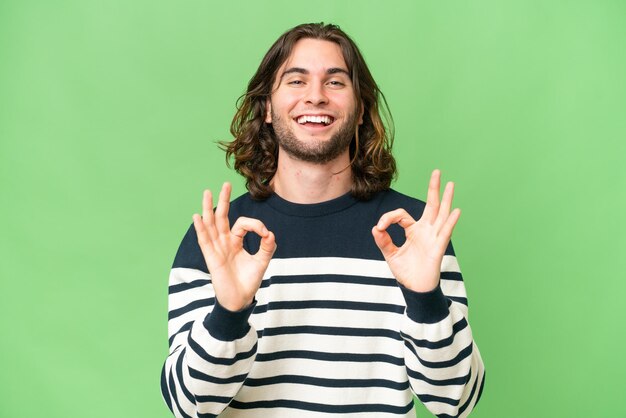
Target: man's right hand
x=236 y=274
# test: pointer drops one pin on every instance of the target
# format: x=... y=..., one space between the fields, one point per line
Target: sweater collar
x=313 y=209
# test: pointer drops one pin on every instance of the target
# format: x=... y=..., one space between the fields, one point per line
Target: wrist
x=425 y=307
x=421 y=286
x=227 y=325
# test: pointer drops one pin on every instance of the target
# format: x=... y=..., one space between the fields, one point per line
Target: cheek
x=282 y=106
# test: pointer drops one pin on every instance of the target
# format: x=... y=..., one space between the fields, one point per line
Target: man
x=318 y=293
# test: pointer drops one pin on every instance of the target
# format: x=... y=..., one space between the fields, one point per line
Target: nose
x=315 y=94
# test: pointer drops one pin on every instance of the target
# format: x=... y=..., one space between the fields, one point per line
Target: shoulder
x=391 y=199
x=245 y=205
x=189 y=254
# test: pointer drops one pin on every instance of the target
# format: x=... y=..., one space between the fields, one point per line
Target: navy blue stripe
x=205 y=415
x=456 y=328
x=432 y=398
x=172 y=389
x=332 y=409
x=226 y=361
x=444 y=382
x=466 y=404
x=451 y=275
x=463 y=354
x=214 y=398
x=329 y=278
x=449 y=248
x=219 y=380
x=184 y=328
x=330 y=304
x=181 y=382
x=175 y=350
x=458 y=299
x=317 y=355
x=200 y=303
x=164 y=391
x=181 y=287
x=339 y=331
x=469 y=399
x=328 y=383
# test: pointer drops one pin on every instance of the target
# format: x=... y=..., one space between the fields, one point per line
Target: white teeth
x=326 y=120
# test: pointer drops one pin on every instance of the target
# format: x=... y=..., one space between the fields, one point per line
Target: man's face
x=312 y=107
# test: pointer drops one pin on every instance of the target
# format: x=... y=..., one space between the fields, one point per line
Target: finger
x=244 y=225
x=446 y=230
x=204 y=240
x=446 y=204
x=432 y=199
x=221 y=212
x=267 y=248
x=207 y=214
x=398 y=216
x=384 y=242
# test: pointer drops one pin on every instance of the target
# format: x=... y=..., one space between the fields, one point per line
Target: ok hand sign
x=416 y=264
x=235 y=273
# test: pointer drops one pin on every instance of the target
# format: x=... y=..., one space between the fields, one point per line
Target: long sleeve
x=331 y=334
x=211 y=350
x=443 y=363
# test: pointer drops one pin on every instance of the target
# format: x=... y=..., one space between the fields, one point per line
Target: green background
x=109 y=114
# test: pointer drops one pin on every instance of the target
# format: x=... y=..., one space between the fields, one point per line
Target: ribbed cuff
x=425 y=307
x=227 y=325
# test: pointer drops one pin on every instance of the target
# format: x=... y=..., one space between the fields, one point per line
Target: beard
x=314 y=150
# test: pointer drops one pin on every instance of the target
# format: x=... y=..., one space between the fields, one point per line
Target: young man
x=321 y=292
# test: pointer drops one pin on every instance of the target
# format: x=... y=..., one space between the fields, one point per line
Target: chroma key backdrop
x=110 y=112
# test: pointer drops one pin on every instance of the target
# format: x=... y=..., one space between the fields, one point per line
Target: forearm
x=443 y=363
x=211 y=351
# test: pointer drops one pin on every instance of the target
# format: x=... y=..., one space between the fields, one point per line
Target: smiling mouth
x=310 y=120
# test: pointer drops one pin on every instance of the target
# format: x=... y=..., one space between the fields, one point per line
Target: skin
x=314 y=80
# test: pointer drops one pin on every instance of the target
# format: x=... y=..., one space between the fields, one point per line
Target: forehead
x=314 y=55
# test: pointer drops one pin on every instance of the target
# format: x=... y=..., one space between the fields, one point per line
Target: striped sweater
x=331 y=332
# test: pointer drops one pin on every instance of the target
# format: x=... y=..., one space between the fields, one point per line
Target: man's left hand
x=417 y=264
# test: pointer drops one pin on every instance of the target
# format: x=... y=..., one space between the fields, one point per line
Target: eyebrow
x=300 y=70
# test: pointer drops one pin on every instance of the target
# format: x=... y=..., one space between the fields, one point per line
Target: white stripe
x=330 y=396
x=453 y=288
x=461 y=340
x=328 y=265
x=458 y=370
x=182 y=399
x=450 y=263
x=331 y=344
x=328 y=369
x=341 y=265
x=327 y=318
x=479 y=371
x=185 y=275
x=220 y=349
x=195 y=315
x=351 y=292
x=291 y=413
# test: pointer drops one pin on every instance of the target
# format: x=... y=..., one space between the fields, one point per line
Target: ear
x=268 y=111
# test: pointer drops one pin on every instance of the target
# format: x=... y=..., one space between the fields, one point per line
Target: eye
x=295 y=82
x=336 y=83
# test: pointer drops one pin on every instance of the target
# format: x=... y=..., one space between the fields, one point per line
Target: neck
x=304 y=182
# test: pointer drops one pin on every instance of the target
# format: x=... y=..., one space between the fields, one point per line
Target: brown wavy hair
x=255 y=148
